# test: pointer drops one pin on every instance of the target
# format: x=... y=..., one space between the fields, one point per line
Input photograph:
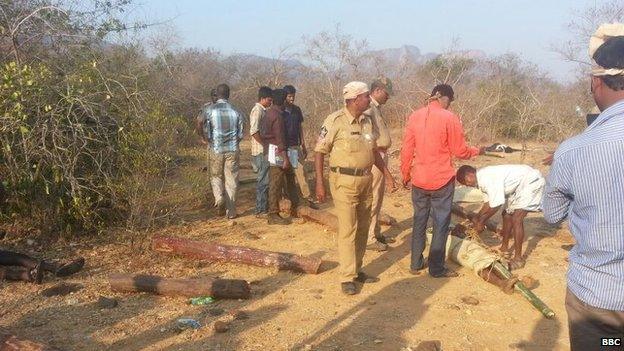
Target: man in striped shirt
x=223 y=130
x=586 y=185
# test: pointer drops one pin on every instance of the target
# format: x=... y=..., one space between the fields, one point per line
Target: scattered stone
x=71 y=301
x=30 y=242
x=250 y=236
x=221 y=326
x=238 y=315
x=318 y=297
x=429 y=345
x=62 y=289
x=469 y=300
x=378 y=341
x=105 y=302
x=316 y=291
x=216 y=311
x=231 y=223
x=372 y=302
x=307 y=347
x=453 y=307
x=398 y=204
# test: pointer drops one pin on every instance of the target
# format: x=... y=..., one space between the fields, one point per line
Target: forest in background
x=90 y=124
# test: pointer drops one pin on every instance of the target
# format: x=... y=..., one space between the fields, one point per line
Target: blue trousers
x=262 y=186
x=436 y=203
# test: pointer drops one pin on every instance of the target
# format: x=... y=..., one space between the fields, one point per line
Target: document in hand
x=276 y=159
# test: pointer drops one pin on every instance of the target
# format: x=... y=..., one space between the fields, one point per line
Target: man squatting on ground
x=516 y=188
x=281 y=174
x=586 y=185
x=223 y=131
x=380 y=91
x=258 y=159
x=347 y=137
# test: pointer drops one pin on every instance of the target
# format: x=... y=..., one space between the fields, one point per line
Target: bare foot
x=516 y=263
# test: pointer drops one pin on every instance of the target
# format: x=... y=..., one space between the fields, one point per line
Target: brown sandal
x=516 y=263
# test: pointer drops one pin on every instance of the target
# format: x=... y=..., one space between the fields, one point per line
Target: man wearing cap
x=347 y=136
x=433 y=136
x=380 y=91
x=586 y=185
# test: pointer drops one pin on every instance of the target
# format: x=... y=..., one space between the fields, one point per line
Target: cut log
x=9 y=342
x=319 y=216
x=238 y=254
x=218 y=288
x=464 y=213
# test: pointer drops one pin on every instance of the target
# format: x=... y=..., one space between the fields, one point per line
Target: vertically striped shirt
x=223 y=126
x=586 y=184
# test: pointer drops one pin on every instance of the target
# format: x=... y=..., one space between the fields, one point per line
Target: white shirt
x=498 y=182
x=255 y=117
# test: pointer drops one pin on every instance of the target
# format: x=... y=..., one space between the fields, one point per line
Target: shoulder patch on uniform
x=323 y=132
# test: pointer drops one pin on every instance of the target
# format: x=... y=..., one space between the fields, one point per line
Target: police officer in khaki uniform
x=380 y=91
x=347 y=136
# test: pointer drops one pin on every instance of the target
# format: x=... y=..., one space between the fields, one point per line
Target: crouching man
x=517 y=188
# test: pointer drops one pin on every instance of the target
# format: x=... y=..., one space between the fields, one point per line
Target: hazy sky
x=526 y=27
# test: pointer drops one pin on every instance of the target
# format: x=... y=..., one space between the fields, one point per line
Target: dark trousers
x=436 y=203
x=589 y=324
x=282 y=181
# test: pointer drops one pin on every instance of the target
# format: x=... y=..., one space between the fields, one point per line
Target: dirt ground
x=289 y=311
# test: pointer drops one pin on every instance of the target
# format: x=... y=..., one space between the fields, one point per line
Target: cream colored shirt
x=255 y=118
x=380 y=128
x=349 y=141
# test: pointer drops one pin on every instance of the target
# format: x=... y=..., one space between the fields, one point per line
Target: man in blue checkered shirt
x=586 y=185
x=223 y=131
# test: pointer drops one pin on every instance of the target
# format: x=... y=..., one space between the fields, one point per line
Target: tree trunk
x=226 y=253
x=218 y=288
x=10 y=342
x=319 y=216
x=462 y=212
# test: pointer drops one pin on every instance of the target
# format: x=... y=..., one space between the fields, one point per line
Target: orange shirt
x=432 y=136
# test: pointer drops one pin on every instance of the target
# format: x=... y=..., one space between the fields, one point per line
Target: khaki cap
x=353 y=89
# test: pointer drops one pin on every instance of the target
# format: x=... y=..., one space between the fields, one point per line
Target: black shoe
x=348 y=288
x=312 y=204
x=377 y=246
x=446 y=274
x=386 y=240
x=365 y=278
x=275 y=218
x=70 y=268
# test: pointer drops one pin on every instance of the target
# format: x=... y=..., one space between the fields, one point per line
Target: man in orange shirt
x=432 y=137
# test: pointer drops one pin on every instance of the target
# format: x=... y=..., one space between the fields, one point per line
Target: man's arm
x=391 y=184
x=319 y=163
x=484 y=214
x=457 y=142
x=279 y=133
x=304 y=151
x=557 y=194
x=199 y=126
x=407 y=153
x=241 y=126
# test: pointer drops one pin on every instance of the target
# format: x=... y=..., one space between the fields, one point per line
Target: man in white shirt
x=518 y=188
x=258 y=158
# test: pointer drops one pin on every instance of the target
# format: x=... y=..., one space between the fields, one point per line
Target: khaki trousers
x=379 y=186
x=224 y=180
x=352 y=200
x=300 y=174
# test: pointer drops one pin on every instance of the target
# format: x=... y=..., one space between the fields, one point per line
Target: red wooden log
x=9 y=342
x=227 y=253
x=218 y=288
x=464 y=213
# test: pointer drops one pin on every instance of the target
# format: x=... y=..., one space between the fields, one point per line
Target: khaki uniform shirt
x=348 y=141
x=380 y=128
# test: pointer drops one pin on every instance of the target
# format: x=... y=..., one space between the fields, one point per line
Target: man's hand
x=478 y=225
x=482 y=150
x=304 y=152
x=320 y=191
x=548 y=160
x=406 y=184
x=286 y=164
x=391 y=184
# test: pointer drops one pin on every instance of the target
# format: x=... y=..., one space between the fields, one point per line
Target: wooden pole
x=218 y=288
x=238 y=254
x=9 y=342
